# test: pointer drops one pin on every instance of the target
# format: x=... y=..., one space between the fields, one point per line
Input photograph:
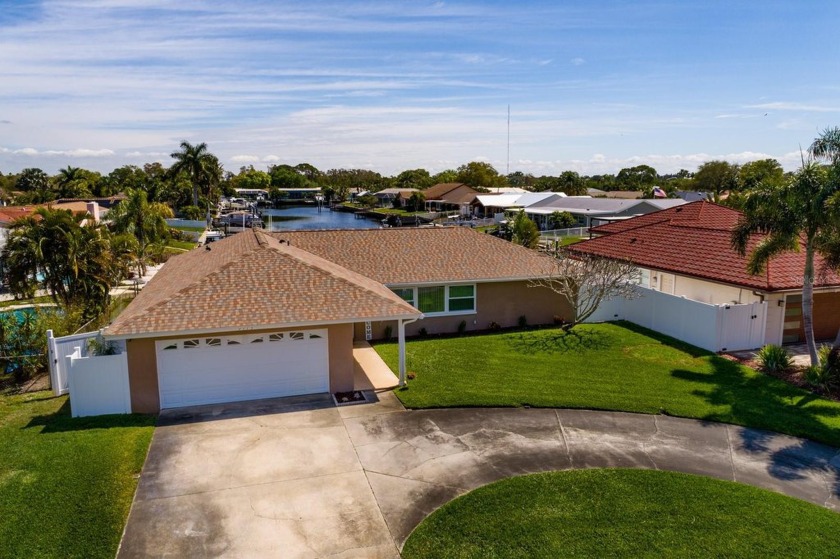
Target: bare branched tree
x=587 y=281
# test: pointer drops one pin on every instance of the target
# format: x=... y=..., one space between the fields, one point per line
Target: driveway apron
x=300 y=478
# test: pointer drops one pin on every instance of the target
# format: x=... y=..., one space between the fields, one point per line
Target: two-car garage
x=229 y=368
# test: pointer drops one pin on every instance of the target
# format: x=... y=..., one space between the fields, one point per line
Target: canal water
x=308 y=217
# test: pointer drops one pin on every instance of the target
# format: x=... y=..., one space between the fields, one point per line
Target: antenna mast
x=508 y=142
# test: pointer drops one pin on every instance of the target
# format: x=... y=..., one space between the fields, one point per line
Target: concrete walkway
x=300 y=478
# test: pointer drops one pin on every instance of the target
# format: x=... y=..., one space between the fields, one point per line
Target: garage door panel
x=194 y=372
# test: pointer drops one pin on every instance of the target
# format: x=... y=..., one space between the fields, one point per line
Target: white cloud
x=245 y=158
x=78 y=152
x=783 y=106
x=577 y=61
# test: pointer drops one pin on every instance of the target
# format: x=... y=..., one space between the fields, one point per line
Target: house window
x=258 y=340
x=431 y=299
x=189 y=344
x=275 y=337
x=296 y=335
x=214 y=342
x=439 y=299
x=171 y=346
x=461 y=298
x=407 y=293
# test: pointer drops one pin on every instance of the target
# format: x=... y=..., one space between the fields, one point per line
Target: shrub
x=523 y=322
x=773 y=359
x=494 y=326
x=826 y=375
x=462 y=327
x=192 y=212
x=423 y=332
x=389 y=331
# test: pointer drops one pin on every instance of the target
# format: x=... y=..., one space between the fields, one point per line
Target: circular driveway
x=305 y=479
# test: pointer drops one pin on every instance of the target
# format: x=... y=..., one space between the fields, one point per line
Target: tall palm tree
x=201 y=166
x=143 y=220
x=792 y=217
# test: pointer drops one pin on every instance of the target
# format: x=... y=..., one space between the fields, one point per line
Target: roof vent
x=633 y=240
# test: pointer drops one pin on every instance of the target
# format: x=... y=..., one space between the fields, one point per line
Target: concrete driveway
x=298 y=478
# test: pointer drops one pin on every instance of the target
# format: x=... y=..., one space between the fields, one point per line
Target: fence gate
x=742 y=326
x=58 y=350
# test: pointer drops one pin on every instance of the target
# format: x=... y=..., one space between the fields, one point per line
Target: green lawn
x=624 y=513
x=607 y=366
x=189 y=228
x=183 y=245
x=66 y=484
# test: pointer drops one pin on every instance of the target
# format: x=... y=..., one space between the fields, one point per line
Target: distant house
x=10 y=214
x=693 y=195
x=387 y=196
x=261 y=315
x=488 y=205
x=594 y=211
x=450 y=196
x=686 y=251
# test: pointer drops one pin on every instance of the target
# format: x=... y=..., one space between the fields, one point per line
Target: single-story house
x=593 y=211
x=686 y=251
x=488 y=205
x=388 y=195
x=450 y=196
x=261 y=315
x=10 y=214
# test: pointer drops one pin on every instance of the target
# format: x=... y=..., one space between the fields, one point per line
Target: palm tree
x=143 y=220
x=792 y=217
x=73 y=258
x=200 y=165
x=827 y=145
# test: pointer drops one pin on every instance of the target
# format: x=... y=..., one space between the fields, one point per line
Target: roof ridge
x=327 y=267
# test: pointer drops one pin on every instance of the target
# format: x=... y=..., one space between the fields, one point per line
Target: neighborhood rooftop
x=696 y=240
x=397 y=256
x=595 y=206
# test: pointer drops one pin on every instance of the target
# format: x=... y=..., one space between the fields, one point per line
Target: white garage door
x=209 y=370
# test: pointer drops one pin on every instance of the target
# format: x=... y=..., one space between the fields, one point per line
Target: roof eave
x=301 y=324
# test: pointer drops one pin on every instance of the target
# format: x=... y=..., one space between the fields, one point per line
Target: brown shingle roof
x=397 y=256
x=251 y=281
x=695 y=240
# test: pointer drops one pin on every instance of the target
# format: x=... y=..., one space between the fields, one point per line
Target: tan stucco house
x=262 y=315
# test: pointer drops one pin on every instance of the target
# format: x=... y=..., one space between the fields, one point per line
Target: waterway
x=308 y=217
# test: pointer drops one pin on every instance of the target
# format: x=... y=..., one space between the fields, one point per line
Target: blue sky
x=592 y=86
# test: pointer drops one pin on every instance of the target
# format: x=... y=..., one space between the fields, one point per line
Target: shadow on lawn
x=558 y=341
x=61 y=421
x=768 y=403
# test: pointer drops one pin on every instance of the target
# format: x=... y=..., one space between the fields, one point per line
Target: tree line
x=196 y=179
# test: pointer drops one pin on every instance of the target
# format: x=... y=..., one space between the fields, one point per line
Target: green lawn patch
x=624 y=513
x=41 y=300
x=66 y=484
x=183 y=245
x=616 y=366
x=194 y=229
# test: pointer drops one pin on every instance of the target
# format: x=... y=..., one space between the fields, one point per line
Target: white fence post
x=55 y=384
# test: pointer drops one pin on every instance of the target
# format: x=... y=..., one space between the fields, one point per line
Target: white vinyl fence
x=59 y=349
x=712 y=327
x=98 y=384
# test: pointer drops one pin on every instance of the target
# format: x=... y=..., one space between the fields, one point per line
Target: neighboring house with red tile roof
x=450 y=196
x=262 y=315
x=687 y=251
x=10 y=214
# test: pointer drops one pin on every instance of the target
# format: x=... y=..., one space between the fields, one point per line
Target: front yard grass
x=66 y=484
x=624 y=513
x=614 y=366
